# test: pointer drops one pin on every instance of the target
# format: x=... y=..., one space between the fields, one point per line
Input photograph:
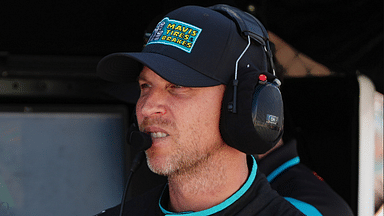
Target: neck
x=209 y=183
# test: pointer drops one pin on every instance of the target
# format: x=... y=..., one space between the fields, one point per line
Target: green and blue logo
x=175 y=33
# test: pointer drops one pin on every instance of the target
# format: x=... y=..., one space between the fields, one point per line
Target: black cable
x=136 y=164
x=142 y=142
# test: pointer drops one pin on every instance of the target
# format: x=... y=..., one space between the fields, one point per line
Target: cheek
x=212 y=111
x=139 y=115
x=212 y=107
x=207 y=114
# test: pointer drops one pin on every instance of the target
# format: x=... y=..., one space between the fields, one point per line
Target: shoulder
x=301 y=185
x=145 y=204
x=260 y=199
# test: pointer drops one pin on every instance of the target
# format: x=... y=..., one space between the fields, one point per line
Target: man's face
x=183 y=123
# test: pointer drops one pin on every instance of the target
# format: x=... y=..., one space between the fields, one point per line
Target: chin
x=159 y=165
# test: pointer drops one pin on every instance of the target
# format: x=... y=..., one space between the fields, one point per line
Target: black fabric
x=277 y=157
x=301 y=183
x=203 y=57
x=260 y=199
x=246 y=23
x=237 y=129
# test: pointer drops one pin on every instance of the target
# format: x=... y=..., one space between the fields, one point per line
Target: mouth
x=155 y=132
x=158 y=134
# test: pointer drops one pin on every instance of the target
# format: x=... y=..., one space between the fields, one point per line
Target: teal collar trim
x=305 y=208
x=282 y=168
x=222 y=205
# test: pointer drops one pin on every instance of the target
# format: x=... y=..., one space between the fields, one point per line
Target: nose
x=152 y=104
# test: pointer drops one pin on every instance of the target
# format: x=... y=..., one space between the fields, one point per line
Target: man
x=281 y=165
x=189 y=63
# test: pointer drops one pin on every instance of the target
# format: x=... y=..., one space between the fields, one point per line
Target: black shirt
x=300 y=185
x=256 y=197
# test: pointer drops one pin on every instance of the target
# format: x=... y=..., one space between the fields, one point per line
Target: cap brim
x=125 y=67
x=118 y=67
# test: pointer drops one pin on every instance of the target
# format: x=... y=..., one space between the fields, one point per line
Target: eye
x=178 y=89
x=144 y=86
x=174 y=86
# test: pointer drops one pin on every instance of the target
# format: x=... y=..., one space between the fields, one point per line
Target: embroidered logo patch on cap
x=175 y=33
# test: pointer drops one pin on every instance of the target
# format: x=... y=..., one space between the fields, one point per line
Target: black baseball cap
x=191 y=46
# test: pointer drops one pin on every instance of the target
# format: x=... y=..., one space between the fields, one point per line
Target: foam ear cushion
x=238 y=129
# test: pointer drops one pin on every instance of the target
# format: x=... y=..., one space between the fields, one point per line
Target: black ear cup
x=258 y=124
x=267 y=112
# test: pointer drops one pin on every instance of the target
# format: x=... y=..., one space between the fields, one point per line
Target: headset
x=252 y=113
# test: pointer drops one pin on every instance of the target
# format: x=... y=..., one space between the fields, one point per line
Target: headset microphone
x=142 y=142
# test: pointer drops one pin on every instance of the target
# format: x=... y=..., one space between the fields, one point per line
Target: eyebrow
x=141 y=77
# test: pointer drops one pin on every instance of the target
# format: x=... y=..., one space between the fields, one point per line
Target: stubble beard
x=183 y=160
x=166 y=167
x=179 y=162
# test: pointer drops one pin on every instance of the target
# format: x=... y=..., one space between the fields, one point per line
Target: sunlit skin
x=187 y=146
